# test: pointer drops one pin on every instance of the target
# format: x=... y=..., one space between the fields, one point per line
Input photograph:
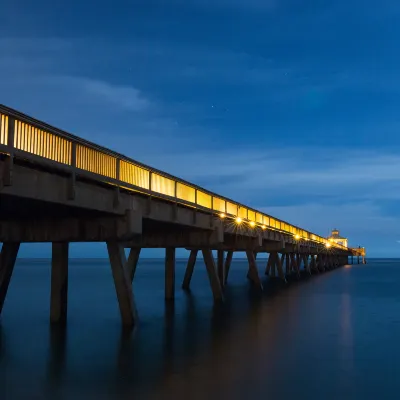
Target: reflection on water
x=346 y=332
x=316 y=337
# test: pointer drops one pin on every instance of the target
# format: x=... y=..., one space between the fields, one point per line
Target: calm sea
x=333 y=336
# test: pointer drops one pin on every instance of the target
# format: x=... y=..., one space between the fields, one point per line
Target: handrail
x=45 y=141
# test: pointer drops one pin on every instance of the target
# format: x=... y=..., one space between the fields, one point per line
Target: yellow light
x=297 y=237
x=238 y=220
x=252 y=224
x=222 y=215
x=263 y=227
x=328 y=245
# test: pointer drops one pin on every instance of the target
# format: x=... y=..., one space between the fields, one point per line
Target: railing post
x=175 y=204
x=149 y=197
x=117 y=177
x=10 y=160
x=195 y=208
x=71 y=189
x=150 y=173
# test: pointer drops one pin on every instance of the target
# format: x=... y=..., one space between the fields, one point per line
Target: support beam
x=295 y=265
x=220 y=262
x=228 y=262
x=288 y=266
x=313 y=264
x=329 y=260
x=169 y=273
x=280 y=269
x=306 y=263
x=8 y=257
x=132 y=262
x=212 y=275
x=189 y=269
x=274 y=256
x=123 y=285
x=248 y=272
x=253 y=271
x=59 y=283
x=269 y=263
x=321 y=262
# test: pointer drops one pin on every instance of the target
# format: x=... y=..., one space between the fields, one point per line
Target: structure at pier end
x=359 y=252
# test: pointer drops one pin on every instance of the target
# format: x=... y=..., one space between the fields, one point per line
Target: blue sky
x=288 y=106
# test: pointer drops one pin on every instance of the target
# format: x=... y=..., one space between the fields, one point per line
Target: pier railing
x=26 y=137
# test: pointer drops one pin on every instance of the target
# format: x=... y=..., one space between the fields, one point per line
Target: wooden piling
x=212 y=275
x=169 y=273
x=189 y=269
x=8 y=257
x=220 y=263
x=253 y=271
x=228 y=262
x=132 y=262
x=59 y=283
x=123 y=284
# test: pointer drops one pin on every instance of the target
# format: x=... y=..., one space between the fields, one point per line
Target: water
x=332 y=336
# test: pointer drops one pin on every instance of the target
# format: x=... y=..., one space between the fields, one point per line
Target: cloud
x=126 y=97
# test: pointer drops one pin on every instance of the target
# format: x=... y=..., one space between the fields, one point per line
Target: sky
x=288 y=106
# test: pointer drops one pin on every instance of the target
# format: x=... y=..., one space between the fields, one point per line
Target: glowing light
x=222 y=215
x=328 y=245
x=252 y=224
x=263 y=227
x=297 y=237
x=238 y=220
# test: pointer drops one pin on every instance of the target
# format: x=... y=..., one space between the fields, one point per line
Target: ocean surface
x=332 y=336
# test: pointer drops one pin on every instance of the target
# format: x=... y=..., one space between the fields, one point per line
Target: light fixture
x=252 y=224
x=263 y=227
x=297 y=237
x=222 y=215
x=328 y=245
x=238 y=220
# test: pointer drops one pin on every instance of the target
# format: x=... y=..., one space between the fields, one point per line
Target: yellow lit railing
x=36 y=138
x=94 y=161
x=41 y=143
x=134 y=175
x=3 y=129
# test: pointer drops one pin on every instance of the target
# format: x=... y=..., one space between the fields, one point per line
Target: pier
x=58 y=188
